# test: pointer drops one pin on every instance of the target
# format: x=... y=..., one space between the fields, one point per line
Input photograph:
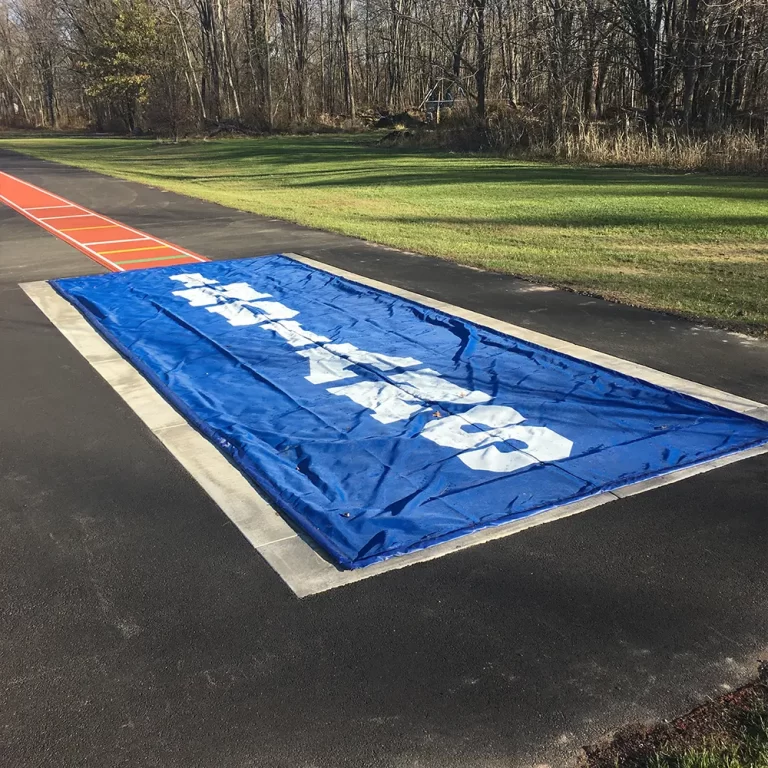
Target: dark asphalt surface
x=139 y=628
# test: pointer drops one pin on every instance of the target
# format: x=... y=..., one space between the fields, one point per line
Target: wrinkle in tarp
x=378 y=425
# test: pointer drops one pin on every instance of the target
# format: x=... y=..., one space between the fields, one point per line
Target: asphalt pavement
x=139 y=628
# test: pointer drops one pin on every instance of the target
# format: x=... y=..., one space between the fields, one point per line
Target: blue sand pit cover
x=378 y=425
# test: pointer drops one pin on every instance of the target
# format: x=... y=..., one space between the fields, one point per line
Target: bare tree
x=696 y=65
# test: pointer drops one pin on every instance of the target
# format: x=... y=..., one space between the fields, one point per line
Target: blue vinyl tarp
x=378 y=425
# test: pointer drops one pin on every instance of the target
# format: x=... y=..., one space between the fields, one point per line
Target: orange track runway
x=113 y=245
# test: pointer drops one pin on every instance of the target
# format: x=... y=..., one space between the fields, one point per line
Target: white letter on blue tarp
x=502 y=423
x=428 y=385
x=411 y=391
x=390 y=400
x=332 y=361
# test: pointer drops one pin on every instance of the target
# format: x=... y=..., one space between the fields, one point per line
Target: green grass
x=717 y=756
x=746 y=749
x=687 y=243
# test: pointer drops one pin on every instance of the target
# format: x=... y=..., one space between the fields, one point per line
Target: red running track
x=113 y=245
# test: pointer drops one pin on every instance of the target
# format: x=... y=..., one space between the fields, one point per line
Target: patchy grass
x=728 y=732
x=748 y=748
x=692 y=244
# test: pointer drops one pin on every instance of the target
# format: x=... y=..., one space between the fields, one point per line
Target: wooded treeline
x=179 y=66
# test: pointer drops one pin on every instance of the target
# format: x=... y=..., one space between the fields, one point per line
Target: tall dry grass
x=621 y=141
x=727 y=152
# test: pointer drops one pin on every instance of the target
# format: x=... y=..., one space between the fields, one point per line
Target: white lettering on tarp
x=326 y=366
x=294 y=334
x=429 y=385
x=498 y=423
x=231 y=301
x=272 y=310
x=411 y=391
x=375 y=359
x=388 y=402
x=241 y=292
x=206 y=295
x=235 y=313
x=476 y=433
x=193 y=280
x=199 y=290
x=199 y=297
x=332 y=362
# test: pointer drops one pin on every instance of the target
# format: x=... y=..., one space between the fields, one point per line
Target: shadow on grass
x=552 y=202
x=552 y=196
x=355 y=162
x=593 y=220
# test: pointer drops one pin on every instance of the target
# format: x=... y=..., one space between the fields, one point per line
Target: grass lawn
x=688 y=243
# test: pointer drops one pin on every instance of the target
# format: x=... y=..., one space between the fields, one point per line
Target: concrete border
x=296 y=560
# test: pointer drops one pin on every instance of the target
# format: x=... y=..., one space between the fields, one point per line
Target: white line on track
x=128 y=240
x=301 y=566
x=47 y=207
x=70 y=216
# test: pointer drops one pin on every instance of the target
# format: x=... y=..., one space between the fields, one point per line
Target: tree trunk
x=346 y=53
x=481 y=56
x=690 y=58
